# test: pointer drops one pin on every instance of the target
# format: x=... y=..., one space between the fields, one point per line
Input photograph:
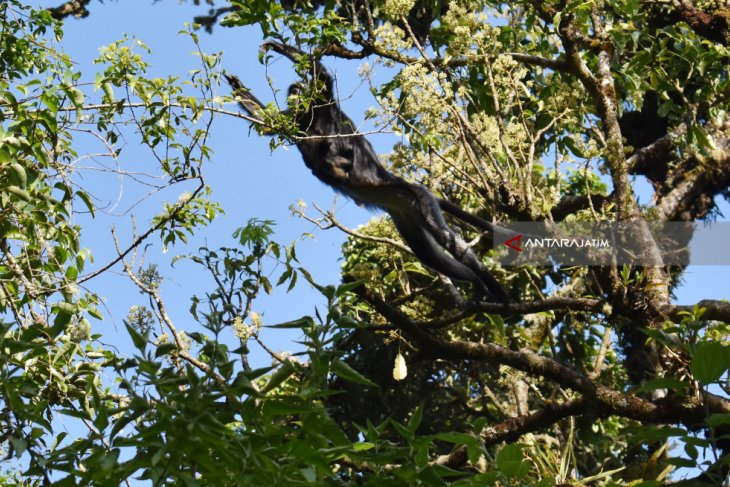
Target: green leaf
x=663 y=383
x=65 y=307
x=681 y=462
x=98 y=79
x=280 y=375
x=309 y=474
x=304 y=322
x=20 y=193
x=139 y=340
x=457 y=438
x=652 y=483
x=77 y=97
x=344 y=371
x=242 y=384
x=710 y=361
x=19 y=445
x=17 y=175
x=510 y=461
x=480 y=480
x=416 y=417
x=347 y=287
x=363 y=446
x=701 y=137
x=718 y=419
x=87 y=201
x=256 y=373
x=71 y=273
x=108 y=92
x=165 y=349
x=95 y=313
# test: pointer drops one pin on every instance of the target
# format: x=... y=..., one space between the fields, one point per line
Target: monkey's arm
x=295 y=55
x=422 y=226
x=290 y=52
x=249 y=103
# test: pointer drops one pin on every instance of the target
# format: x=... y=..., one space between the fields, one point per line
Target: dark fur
x=346 y=161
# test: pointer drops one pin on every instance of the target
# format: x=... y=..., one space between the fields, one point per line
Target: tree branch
x=690 y=410
x=713 y=26
x=714 y=310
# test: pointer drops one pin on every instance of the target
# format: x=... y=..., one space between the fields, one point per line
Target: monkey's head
x=295 y=97
x=295 y=89
x=302 y=94
x=306 y=105
x=301 y=101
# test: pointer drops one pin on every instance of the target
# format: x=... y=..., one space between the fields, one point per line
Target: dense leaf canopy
x=531 y=111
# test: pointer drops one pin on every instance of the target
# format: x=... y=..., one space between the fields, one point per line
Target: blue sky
x=247 y=178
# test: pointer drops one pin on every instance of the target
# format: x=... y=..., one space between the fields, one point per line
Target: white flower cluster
x=487 y=129
x=79 y=331
x=471 y=29
x=426 y=98
x=396 y=9
x=509 y=73
x=390 y=37
x=243 y=331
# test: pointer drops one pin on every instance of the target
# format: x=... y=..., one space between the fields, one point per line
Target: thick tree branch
x=655 y=153
x=602 y=89
x=570 y=204
x=670 y=205
x=514 y=309
x=607 y=401
x=513 y=428
x=689 y=190
x=714 y=26
x=714 y=310
x=370 y=48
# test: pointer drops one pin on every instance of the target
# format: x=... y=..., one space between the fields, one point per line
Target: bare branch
x=141 y=238
x=330 y=217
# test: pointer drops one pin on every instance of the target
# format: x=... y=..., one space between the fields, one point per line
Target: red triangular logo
x=515 y=243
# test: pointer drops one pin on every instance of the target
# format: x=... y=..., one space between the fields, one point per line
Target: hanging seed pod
x=400 y=371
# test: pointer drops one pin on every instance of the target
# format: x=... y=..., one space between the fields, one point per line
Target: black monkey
x=642 y=128
x=345 y=160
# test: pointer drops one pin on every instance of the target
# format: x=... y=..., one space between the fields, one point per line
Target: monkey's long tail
x=497 y=232
x=494 y=287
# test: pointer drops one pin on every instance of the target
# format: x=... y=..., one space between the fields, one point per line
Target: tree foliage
x=529 y=111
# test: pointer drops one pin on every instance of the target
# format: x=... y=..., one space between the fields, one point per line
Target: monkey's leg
x=497 y=232
x=465 y=216
x=451 y=241
x=429 y=251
